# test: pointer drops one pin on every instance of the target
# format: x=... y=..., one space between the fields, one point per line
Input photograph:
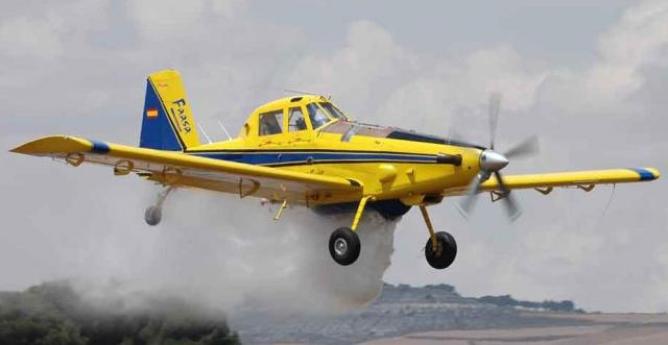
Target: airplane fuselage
x=389 y=162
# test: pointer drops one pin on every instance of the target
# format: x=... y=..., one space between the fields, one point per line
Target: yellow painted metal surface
x=176 y=168
x=360 y=212
x=430 y=228
x=573 y=178
x=279 y=213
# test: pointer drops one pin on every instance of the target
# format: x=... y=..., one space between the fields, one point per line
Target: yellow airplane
x=303 y=150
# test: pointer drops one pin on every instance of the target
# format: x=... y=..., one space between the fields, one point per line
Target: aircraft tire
x=344 y=246
x=153 y=215
x=444 y=258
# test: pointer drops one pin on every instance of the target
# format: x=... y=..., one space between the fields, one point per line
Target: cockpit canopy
x=293 y=114
x=308 y=113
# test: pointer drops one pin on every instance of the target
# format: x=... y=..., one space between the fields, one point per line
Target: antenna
x=229 y=137
x=203 y=132
x=300 y=92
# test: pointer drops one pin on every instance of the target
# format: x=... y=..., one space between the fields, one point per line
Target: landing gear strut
x=344 y=244
x=153 y=213
x=441 y=248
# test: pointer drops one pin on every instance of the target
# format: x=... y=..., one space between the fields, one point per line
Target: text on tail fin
x=167 y=121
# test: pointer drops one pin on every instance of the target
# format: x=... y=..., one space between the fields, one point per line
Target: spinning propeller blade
x=528 y=147
x=512 y=208
x=467 y=204
x=494 y=107
x=492 y=162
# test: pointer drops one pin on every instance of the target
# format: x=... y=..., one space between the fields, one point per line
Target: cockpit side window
x=271 y=123
x=333 y=111
x=296 y=120
x=317 y=115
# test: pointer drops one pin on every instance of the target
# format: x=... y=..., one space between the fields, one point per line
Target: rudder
x=167 y=121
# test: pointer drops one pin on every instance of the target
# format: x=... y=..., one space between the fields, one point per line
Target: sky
x=587 y=77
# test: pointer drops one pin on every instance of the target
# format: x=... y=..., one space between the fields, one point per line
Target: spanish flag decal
x=152 y=113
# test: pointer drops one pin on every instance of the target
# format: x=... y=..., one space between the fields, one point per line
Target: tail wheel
x=344 y=246
x=153 y=215
x=442 y=256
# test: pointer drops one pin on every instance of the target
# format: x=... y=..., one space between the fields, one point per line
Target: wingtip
x=18 y=149
x=647 y=173
x=655 y=172
x=51 y=144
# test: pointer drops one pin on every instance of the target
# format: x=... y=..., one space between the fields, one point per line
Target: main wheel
x=153 y=215
x=344 y=246
x=444 y=254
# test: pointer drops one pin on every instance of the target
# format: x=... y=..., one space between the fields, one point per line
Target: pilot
x=269 y=125
x=300 y=124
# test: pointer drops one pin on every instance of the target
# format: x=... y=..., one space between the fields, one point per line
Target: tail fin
x=167 y=121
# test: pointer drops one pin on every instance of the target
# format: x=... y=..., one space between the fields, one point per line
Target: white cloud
x=167 y=19
x=22 y=36
x=229 y=8
x=639 y=39
x=362 y=72
x=450 y=92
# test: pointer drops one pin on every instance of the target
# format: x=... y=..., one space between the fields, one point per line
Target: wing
x=181 y=169
x=583 y=179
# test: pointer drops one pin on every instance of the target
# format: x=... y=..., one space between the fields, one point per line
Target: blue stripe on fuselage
x=280 y=158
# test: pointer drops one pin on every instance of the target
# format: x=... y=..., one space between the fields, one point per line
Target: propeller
x=492 y=162
x=526 y=148
x=494 y=108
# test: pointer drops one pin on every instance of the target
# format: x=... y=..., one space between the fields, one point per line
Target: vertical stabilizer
x=167 y=120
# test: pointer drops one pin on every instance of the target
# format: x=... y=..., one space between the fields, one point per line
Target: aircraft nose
x=492 y=161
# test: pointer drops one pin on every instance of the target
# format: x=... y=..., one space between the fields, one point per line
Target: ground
x=439 y=315
x=618 y=329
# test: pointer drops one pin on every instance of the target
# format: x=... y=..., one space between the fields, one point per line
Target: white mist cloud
x=227 y=254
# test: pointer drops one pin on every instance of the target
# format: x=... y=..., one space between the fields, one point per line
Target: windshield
x=334 y=112
x=318 y=116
